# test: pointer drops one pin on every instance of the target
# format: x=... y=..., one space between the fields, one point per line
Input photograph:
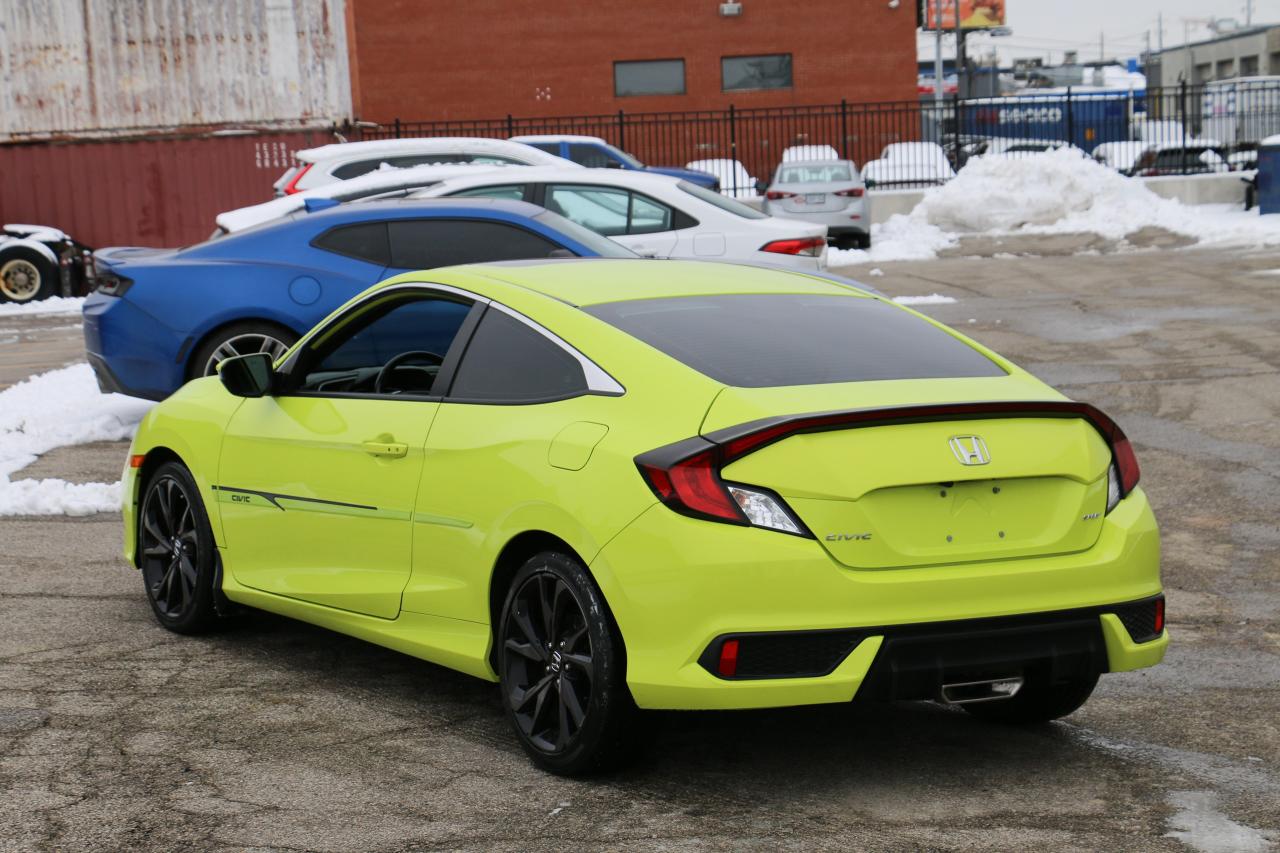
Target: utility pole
x=1248 y=13
x=1102 y=46
x=961 y=61
x=1160 y=31
x=937 y=52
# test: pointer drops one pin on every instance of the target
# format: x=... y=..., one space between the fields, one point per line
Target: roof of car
x=416 y=206
x=596 y=281
x=426 y=144
x=544 y=174
x=557 y=137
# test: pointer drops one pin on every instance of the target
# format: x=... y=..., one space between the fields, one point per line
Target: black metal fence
x=1213 y=127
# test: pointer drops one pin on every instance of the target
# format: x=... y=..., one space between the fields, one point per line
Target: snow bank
x=52 y=305
x=1058 y=192
x=931 y=299
x=56 y=409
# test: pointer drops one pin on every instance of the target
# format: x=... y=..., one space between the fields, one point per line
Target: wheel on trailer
x=560 y=666
x=26 y=275
x=240 y=339
x=177 y=553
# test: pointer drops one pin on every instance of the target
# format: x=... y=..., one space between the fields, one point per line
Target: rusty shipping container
x=76 y=68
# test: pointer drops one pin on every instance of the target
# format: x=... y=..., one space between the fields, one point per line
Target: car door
x=419 y=244
x=639 y=222
x=316 y=483
x=522 y=418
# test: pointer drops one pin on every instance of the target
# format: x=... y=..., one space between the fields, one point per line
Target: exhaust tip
x=991 y=690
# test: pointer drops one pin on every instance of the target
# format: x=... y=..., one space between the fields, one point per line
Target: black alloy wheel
x=560 y=667
x=176 y=550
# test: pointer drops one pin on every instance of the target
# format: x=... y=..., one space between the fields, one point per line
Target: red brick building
x=418 y=60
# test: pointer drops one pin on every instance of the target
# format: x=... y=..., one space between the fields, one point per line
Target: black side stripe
x=274 y=498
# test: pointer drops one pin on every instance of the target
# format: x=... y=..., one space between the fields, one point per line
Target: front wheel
x=560 y=665
x=178 y=559
x=1039 y=701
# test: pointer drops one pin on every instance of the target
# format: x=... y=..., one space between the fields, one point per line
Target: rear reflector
x=811 y=246
x=728 y=666
x=292 y=187
x=136 y=460
x=1160 y=615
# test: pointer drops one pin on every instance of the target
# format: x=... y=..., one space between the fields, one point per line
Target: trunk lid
x=918 y=493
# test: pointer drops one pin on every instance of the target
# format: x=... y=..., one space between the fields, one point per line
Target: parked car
x=1120 y=156
x=828 y=192
x=1013 y=148
x=654 y=215
x=37 y=262
x=342 y=161
x=594 y=153
x=735 y=180
x=621 y=485
x=380 y=184
x=1196 y=157
x=1243 y=159
x=160 y=317
x=909 y=165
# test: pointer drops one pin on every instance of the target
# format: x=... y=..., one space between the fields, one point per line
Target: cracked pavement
x=274 y=735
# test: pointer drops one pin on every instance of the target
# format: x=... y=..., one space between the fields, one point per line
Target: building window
x=1274 y=66
x=650 y=77
x=744 y=73
x=1248 y=66
x=1225 y=69
x=1203 y=73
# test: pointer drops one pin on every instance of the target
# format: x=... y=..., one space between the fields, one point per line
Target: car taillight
x=292 y=187
x=109 y=283
x=856 y=192
x=776 y=195
x=811 y=246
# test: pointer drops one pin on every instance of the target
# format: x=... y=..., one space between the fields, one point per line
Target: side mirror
x=761 y=186
x=247 y=375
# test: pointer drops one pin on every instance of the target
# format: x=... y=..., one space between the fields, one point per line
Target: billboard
x=974 y=14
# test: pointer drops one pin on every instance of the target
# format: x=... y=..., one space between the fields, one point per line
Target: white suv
x=338 y=162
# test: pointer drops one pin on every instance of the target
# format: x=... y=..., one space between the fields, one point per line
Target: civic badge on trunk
x=970 y=449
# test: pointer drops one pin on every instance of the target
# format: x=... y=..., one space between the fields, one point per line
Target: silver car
x=829 y=192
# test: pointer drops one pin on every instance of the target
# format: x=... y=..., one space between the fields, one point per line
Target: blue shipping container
x=1085 y=119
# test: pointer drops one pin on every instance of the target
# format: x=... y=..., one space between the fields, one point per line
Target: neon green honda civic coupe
x=614 y=485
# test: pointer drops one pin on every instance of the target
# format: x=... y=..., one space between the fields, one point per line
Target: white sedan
x=653 y=215
x=343 y=161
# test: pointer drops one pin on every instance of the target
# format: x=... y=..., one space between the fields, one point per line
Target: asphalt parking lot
x=275 y=735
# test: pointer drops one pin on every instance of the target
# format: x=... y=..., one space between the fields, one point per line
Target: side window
x=354 y=170
x=649 y=216
x=419 y=244
x=549 y=147
x=602 y=209
x=366 y=241
x=515 y=192
x=507 y=361
x=390 y=347
x=591 y=156
x=611 y=211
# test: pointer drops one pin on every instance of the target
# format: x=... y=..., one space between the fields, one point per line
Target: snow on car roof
x=521 y=174
x=384 y=180
x=420 y=145
x=558 y=137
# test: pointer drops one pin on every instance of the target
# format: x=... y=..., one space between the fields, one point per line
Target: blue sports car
x=159 y=317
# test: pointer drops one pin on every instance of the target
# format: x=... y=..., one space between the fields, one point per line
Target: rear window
x=772 y=340
x=825 y=173
x=725 y=203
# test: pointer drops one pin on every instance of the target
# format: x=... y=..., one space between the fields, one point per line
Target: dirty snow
x=57 y=409
x=1058 y=192
x=1201 y=825
x=52 y=305
x=931 y=299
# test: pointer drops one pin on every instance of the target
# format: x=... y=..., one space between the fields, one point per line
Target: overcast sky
x=1048 y=27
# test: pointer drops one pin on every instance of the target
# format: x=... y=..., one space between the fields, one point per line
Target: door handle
x=391 y=449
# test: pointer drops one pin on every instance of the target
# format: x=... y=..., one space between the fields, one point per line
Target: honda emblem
x=970 y=449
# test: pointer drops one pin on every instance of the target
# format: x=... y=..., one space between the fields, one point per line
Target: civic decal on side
x=848 y=537
x=254 y=497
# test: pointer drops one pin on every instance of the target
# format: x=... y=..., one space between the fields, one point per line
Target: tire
x=1037 y=702
x=239 y=339
x=177 y=554
x=26 y=276
x=561 y=669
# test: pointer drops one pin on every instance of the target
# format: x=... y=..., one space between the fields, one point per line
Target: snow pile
x=56 y=409
x=52 y=305
x=1058 y=192
x=931 y=299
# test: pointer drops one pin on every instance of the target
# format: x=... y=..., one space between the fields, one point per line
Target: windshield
x=811 y=340
x=723 y=202
x=602 y=246
x=624 y=156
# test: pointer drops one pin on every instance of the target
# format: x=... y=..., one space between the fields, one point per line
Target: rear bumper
x=130 y=352
x=677 y=586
